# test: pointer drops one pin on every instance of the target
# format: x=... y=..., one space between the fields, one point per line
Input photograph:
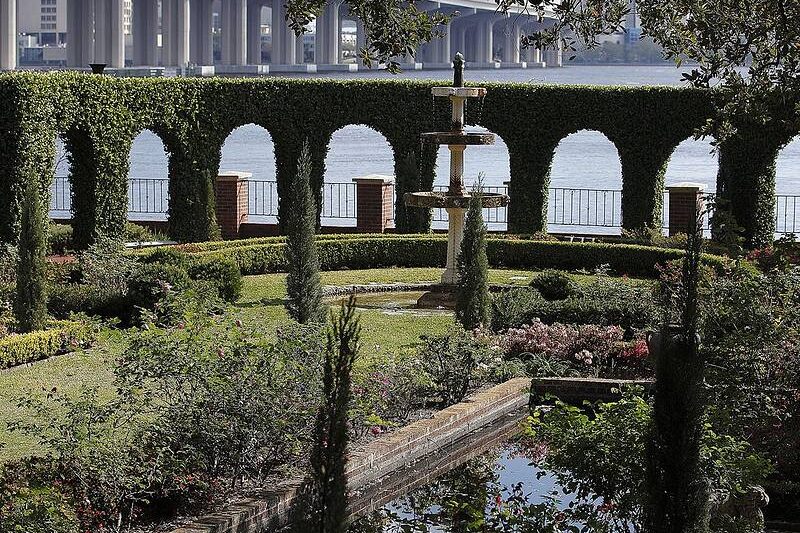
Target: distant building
x=42 y=27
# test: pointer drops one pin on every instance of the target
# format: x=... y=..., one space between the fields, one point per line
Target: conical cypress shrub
x=30 y=305
x=472 y=304
x=678 y=491
x=303 y=284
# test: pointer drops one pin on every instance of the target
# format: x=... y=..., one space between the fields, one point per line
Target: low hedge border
x=62 y=337
x=263 y=256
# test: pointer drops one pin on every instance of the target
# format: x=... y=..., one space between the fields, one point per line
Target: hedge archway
x=354 y=151
x=585 y=181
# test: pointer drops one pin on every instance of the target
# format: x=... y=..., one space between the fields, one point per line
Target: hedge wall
x=99 y=117
x=262 y=256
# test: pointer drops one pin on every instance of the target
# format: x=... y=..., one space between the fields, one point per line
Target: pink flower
x=375 y=430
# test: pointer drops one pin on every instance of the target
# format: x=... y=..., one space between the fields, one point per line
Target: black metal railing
x=584 y=207
x=148 y=195
x=145 y=196
x=591 y=209
x=338 y=199
x=786 y=213
x=263 y=198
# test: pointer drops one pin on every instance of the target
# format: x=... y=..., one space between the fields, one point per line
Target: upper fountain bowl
x=458 y=138
x=460 y=92
x=447 y=200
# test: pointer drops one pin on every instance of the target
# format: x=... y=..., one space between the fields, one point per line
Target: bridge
x=181 y=33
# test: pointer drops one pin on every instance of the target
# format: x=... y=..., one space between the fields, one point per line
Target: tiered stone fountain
x=456 y=200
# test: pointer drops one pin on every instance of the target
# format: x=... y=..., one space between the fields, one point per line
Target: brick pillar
x=374 y=203
x=685 y=203
x=233 y=199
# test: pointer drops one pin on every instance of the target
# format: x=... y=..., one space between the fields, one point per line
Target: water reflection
x=502 y=490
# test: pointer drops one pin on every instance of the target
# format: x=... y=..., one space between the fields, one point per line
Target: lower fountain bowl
x=444 y=200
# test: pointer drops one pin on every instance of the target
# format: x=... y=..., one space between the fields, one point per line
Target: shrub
x=472 y=301
x=6 y=300
x=604 y=302
x=137 y=233
x=303 y=284
x=30 y=503
x=386 y=392
x=749 y=329
x=8 y=264
x=266 y=255
x=59 y=239
x=554 y=285
x=59 y=338
x=202 y=408
x=64 y=299
x=222 y=273
x=166 y=256
x=454 y=363
x=152 y=283
x=603 y=459
x=105 y=266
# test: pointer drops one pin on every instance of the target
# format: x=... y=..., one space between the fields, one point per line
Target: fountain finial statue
x=458 y=70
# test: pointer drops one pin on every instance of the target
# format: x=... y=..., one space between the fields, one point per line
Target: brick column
x=374 y=203
x=232 y=201
x=685 y=203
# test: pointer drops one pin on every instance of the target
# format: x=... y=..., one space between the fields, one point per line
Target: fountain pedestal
x=455 y=234
x=456 y=200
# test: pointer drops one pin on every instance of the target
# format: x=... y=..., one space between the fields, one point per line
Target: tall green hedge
x=99 y=117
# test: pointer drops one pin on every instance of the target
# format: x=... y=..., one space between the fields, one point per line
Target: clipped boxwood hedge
x=61 y=337
x=261 y=256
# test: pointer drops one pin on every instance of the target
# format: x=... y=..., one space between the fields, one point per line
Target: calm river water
x=585 y=159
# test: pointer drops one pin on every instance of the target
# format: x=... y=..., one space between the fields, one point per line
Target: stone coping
x=572 y=390
x=381 y=179
x=330 y=291
x=376 y=459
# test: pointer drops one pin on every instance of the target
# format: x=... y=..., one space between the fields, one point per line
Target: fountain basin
x=459 y=92
x=458 y=138
x=445 y=200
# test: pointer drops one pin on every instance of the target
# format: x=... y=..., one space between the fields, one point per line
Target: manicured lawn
x=262 y=302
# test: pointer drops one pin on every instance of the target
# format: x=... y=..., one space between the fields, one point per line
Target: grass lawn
x=262 y=301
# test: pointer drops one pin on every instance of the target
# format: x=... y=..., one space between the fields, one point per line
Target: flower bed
x=587 y=350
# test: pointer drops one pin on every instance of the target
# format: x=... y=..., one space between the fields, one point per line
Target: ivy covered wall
x=99 y=116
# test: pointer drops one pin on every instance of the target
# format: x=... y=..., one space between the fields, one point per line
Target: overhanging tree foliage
x=394 y=28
